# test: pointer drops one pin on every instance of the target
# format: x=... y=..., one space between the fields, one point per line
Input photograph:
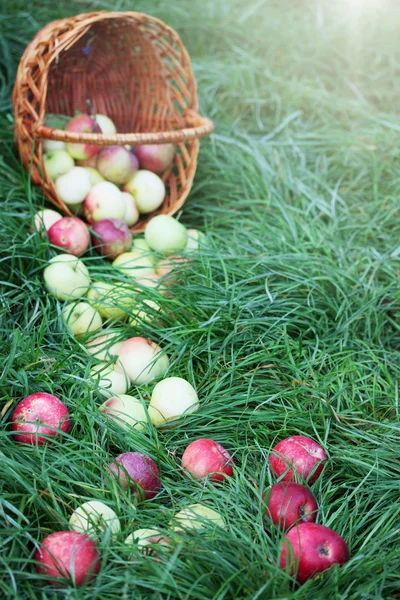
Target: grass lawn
x=287 y=323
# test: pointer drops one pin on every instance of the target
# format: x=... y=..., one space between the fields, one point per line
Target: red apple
x=205 y=457
x=296 y=457
x=70 y=234
x=136 y=470
x=290 y=503
x=309 y=549
x=117 y=164
x=112 y=237
x=68 y=555
x=39 y=413
x=155 y=157
x=82 y=124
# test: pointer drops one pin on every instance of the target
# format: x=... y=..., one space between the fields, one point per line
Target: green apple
x=126 y=410
x=93 y=518
x=57 y=162
x=134 y=264
x=107 y=126
x=66 y=277
x=172 y=398
x=111 y=379
x=148 y=189
x=165 y=234
x=104 y=346
x=94 y=175
x=73 y=186
x=80 y=318
x=144 y=312
x=195 y=240
x=197 y=516
x=112 y=302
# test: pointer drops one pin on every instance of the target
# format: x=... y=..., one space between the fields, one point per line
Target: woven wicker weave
x=133 y=68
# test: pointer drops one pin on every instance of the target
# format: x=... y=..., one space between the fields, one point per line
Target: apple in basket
x=117 y=164
x=70 y=234
x=155 y=157
x=82 y=124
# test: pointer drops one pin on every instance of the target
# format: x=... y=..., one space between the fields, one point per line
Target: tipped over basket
x=131 y=67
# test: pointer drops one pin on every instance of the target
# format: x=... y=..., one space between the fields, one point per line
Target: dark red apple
x=68 y=555
x=309 y=549
x=70 y=234
x=204 y=457
x=136 y=470
x=296 y=457
x=290 y=503
x=36 y=414
x=111 y=237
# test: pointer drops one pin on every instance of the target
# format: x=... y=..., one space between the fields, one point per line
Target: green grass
x=287 y=323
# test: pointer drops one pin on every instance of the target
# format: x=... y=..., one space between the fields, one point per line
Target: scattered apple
x=111 y=237
x=138 y=471
x=94 y=175
x=110 y=379
x=206 y=458
x=104 y=346
x=131 y=212
x=134 y=264
x=140 y=245
x=39 y=414
x=165 y=234
x=197 y=516
x=155 y=157
x=94 y=518
x=68 y=555
x=112 y=302
x=66 y=276
x=80 y=318
x=44 y=219
x=297 y=457
x=143 y=538
x=172 y=398
x=106 y=124
x=142 y=360
x=309 y=549
x=195 y=240
x=82 y=124
x=73 y=186
x=143 y=313
x=126 y=410
x=104 y=201
x=57 y=162
x=70 y=234
x=290 y=503
x=117 y=164
x=148 y=190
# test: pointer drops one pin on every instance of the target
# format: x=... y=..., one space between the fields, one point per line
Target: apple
x=197 y=516
x=68 y=555
x=140 y=245
x=112 y=302
x=155 y=157
x=126 y=410
x=111 y=379
x=165 y=234
x=111 y=237
x=143 y=538
x=309 y=548
x=103 y=347
x=297 y=457
x=104 y=201
x=165 y=268
x=117 y=164
x=131 y=212
x=138 y=471
x=82 y=124
x=70 y=234
x=94 y=175
x=107 y=126
x=134 y=264
x=142 y=360
x=172 y=398
x=290 y=503
x=39 y=413
x=48 y=145
x=206 y=458
x=195 y=240
x=143 y=313
x=94 y=518
x=57 y=162
x=66 y=277
x=74 y=186
x=44 y=219
x=148 y=190
x=80 y=318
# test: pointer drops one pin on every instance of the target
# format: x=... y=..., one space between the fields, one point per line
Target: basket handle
x=196 y=127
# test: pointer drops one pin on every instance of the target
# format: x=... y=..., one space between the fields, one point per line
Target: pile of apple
x=112 y=182
x=89 y=308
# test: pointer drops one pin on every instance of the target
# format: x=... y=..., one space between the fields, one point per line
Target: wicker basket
x=133 y=68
